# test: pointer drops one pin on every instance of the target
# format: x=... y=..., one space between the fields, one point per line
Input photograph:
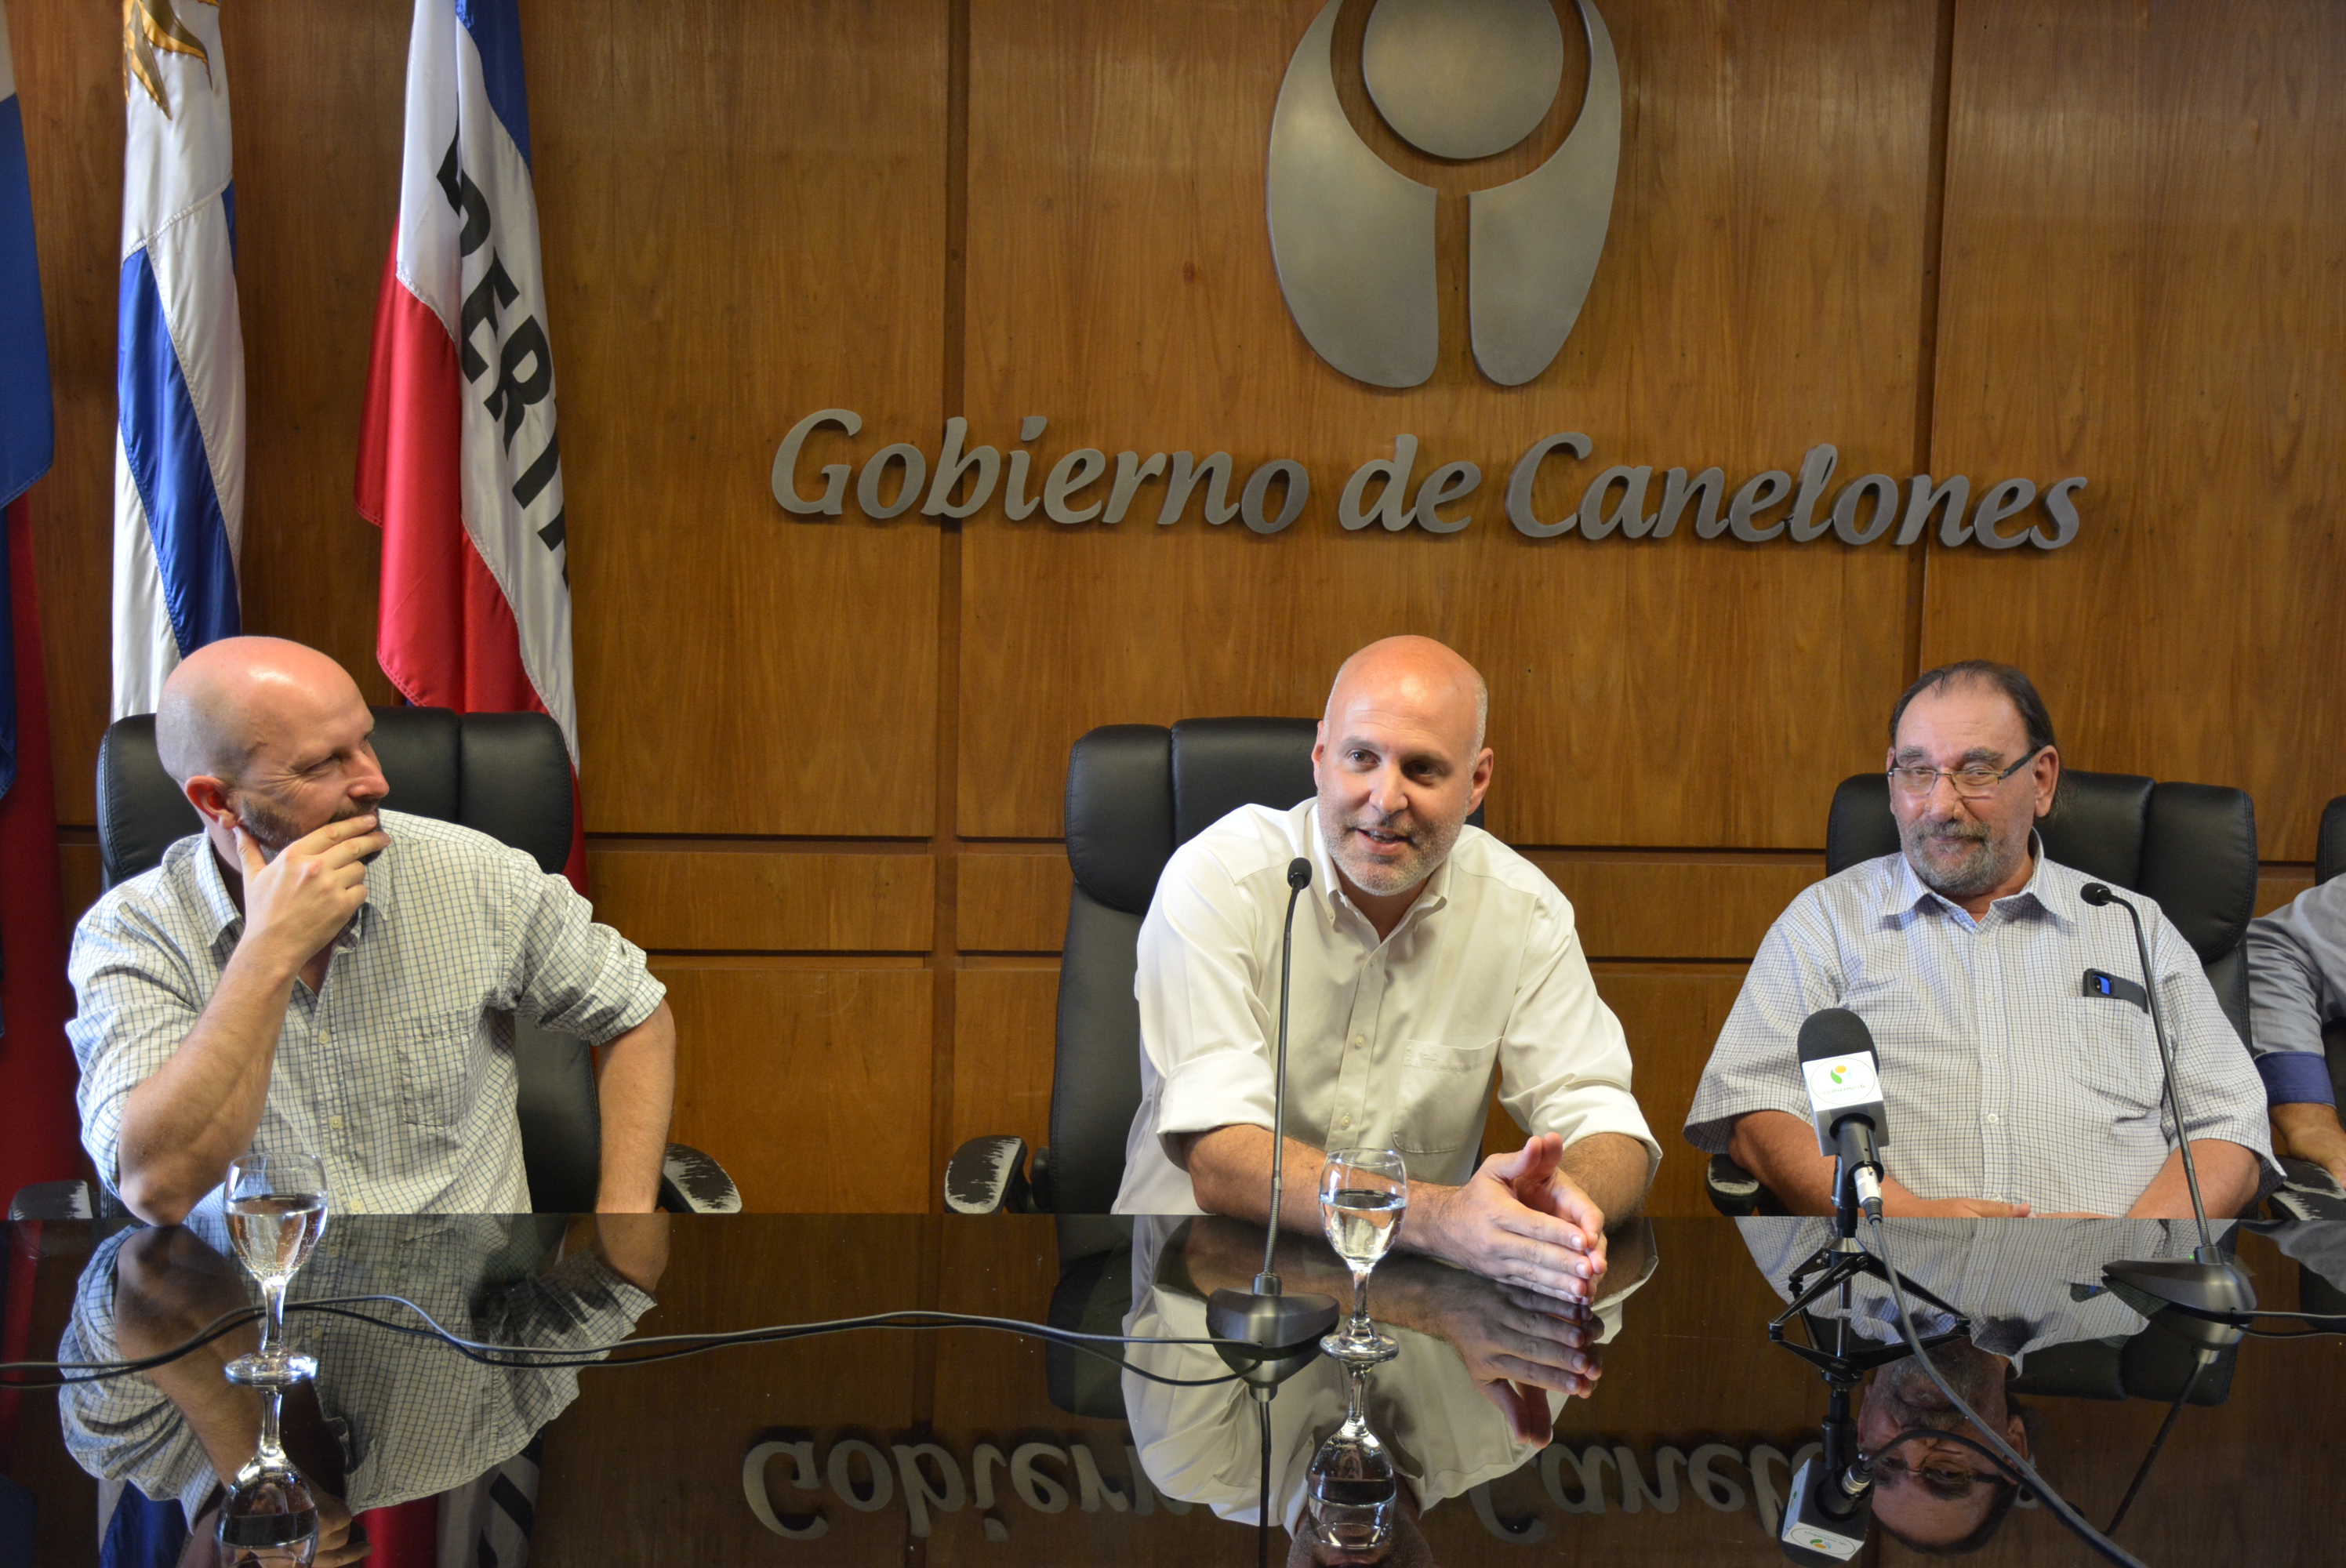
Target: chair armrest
x=692 y=1183
x=53 y=1200
x=988 y=1176
x=1734 y=1191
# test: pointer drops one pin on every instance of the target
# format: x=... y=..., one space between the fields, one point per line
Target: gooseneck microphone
x=2099 y=895
x=1843 y=1077
x=1265 y=1334
x=2208 y=1282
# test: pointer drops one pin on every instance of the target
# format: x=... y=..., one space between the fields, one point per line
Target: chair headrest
x=2192 y=848
x=505 y=774
x=1120 y=812
x=1222 y=764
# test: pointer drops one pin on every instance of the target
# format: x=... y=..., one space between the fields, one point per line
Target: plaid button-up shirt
x=2003 y=1079
x=397 y=1073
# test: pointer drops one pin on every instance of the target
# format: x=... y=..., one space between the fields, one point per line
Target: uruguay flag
x=458 y=461
x=27 y=430
x=178 y=462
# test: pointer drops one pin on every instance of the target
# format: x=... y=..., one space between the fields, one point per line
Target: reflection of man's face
x=1927 y=1493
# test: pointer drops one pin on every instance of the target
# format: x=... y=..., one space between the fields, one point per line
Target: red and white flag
x=459 y=464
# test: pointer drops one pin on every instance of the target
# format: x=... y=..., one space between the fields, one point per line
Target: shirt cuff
x=2296 y=1078
x=1215 y=1089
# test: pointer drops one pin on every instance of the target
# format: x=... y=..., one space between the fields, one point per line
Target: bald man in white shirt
x=1429 y=958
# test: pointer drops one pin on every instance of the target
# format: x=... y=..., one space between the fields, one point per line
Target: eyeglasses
x=1941 y=1478
x=1972 y=781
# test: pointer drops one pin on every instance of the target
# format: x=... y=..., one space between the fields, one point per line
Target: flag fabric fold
x=178 y=468
x=37 y=1121
x=459 y=464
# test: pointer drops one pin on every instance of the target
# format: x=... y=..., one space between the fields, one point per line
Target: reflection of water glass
x=1351 y=1492
x=1363 y=1193
x=269 y=1518
x=276 y=1213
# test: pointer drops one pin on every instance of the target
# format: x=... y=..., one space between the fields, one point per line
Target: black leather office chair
x=2191 y=849
x=1135 y=793
x=504 y=774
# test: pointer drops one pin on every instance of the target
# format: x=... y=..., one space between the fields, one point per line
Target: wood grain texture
x=2277 y=886
x=1765 y=231
x=1716 y=907
x=78 y=868
x=811 y=1086
x=740 y=901
x=2146 y=206
x=1005 y=1022
x=1014 y=902
x=1672 y=1014
x=759 y=234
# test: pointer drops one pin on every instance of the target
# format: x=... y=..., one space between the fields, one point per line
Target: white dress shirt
x=1391 y=1043
x=2004 y=1079
x=397 y=1073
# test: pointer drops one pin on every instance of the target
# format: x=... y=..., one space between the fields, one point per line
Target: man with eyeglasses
x=2010 y=1090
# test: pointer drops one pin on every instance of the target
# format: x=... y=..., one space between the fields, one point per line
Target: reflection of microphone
x=1844 y=1084
x=1830 y=1505
x=1265 y=1318
x=2210 y=1282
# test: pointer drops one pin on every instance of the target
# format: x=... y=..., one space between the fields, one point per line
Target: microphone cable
x=674 y=1346
x=2001 y=1450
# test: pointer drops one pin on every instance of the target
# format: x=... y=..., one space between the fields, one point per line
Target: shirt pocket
x=1445 y=1085
x=2117 y=1064
x=440 y=1062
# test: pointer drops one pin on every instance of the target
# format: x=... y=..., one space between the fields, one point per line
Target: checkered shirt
x=2027 y=1285
x=398 y=1073
x=2003 y=1079
x=412 y=1417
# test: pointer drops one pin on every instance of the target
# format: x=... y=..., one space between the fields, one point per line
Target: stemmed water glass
x=276 y=1213
x=269 y=1517
x=1362 y=1195
x=1351 y=1490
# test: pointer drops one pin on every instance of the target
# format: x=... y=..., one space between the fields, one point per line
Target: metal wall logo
x=1353 y=236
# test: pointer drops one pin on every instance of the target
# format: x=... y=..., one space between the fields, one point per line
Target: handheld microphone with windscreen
x=1843 y=1077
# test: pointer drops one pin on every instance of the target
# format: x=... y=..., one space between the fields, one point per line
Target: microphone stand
x=2208 y=1281
x=1266 y=1335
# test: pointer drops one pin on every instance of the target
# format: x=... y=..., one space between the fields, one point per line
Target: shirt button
x=1344 y=1121
x=1993 y=1119
x=334 y=1122
x=1356 y=1042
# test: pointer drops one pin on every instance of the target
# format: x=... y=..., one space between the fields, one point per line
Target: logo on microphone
x=1353 y=236
x=1837 y=1081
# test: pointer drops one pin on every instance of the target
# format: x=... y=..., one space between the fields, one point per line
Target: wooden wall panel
x=2145 y=209
x=760 y=232
x=808 y=1081
x=1767 y=233
x=1672 y=1014
x=1629 y=905
x=737 y=901
x=1006 y=1022
x=1014 y=902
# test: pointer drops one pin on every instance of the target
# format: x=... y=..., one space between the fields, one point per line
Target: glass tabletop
x=972 y=1443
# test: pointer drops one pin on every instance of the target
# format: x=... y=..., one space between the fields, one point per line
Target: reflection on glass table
x=1472 y=1393
x=389 y=1417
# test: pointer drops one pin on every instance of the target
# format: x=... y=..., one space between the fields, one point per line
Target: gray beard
x=1978 y=871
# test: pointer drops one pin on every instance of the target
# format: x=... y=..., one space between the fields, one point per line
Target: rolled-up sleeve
x=1201 y=1024
x=136 y=1001
x=1755 y=1064
x=125 y=1428
x=2297 y=984
x=1564 y=1063
x=573 y=974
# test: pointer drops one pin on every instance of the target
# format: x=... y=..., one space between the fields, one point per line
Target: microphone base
x=2191 y=1289
x=1267 y=1339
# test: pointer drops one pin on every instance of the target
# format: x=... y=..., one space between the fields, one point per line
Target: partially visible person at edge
x=312 y=974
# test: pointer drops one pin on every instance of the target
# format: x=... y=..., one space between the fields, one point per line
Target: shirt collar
x=1326 y=888
x=2051 y=894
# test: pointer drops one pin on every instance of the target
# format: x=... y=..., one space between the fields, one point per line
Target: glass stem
x=1356 y=1381
x=1361 y=1325
x=272 y=1322
x=272 y=1451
